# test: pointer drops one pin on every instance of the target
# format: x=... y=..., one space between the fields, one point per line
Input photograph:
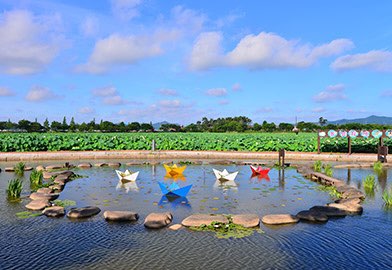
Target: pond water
x=362 y=241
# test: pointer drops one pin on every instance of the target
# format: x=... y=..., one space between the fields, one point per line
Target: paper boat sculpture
x=174 y=170
x=259 y=170
x=127 y=175
x=174 y=190
x=225 y=175
x=128 y=185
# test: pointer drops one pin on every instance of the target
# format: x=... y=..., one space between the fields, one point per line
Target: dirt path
x=182 y=155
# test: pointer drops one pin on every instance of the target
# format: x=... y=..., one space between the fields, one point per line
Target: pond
x=44 y=243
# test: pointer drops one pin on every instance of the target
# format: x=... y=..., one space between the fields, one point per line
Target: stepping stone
x=57 y=186
x=114 y=164
x=83 y=212
x=246 y=220
x=279 y=219
x=54 y=211
x=84 y=165
x=197 y=220
x=45 y=190
x=312 y=216
x=350 y=208
x=120 y=216
x=9 y=169
x=100 y=164
x=40 y=168
x=175 y=227
x=54 y=167
x=134 y=163
x=28 y=168
x=353 y=194
x=158 y=220
x=349 y=201
x=328 y=211
x=220 y=162
x=38 y=205
x=43 y=196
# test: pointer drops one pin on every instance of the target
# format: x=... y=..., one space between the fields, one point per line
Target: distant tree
x=64 y=125
x=46 y=125
x=24 y=124
x=287 y=127
x=322 y=121
x=72 y=125
x=146 y=127
x=56 y=126
x=171 y=127
x=257 y=127
x=134 y=126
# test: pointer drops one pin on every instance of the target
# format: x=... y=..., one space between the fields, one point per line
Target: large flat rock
x=83 y=212
x=312 y=216
x=279 y=219
x=158 y=220
x=197 y=220
x=121 y=216
x=348 y=207
x=85 y=165
x=246 y=220
x=38 y=205
x=328 y=211
x=54 y=211
x=44 y=190
x=44 y=196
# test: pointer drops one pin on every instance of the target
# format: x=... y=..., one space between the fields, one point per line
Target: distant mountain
x=373 y=119
x=159 y=124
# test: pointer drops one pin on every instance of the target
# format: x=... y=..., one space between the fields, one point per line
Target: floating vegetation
x=26 y=214
x=64 y=203
x=36 y=178
x=14 y=189
x=331 y=190
x=19 y=169
x=378 y=167
x=317 y=166
x=387 y=197
x=328 y=171
x=226 y=230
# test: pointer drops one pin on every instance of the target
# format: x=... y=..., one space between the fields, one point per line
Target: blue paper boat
x=174 y=190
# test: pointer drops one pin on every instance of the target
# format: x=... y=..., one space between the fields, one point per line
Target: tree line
x=227 y=124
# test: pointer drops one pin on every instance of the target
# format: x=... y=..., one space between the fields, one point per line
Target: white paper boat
x=225 y=175
x=127 y=175
x=128 y=185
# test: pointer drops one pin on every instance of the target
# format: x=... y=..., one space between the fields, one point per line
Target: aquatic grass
x=331 y=191
x=14 y=188
x=19 y=169
x=64 y=203
x=378 y=167
x=369 y=182
x=27 y=214
x=317 y=166
x=36 y=178
x=328 y=171
x=387 y=197
x=226 y=230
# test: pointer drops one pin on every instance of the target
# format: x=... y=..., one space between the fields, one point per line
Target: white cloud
x=262 y=51
x=86 y=110
x=168 y=92
x=26 y=45
x=188 y=19
x=331 y=93
x=376 y=60
x=104 y=91
x=39 y=93
x=89 y=26
x=386 y=93
x=236 y=87
x=217 y=92
x=207 y=51
x=318 y=110
x=125 y=9
x=170 y=103
x=114 y=100
x=6 y=92
x=117 y=50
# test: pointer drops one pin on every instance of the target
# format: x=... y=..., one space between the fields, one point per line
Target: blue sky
x=152 y=60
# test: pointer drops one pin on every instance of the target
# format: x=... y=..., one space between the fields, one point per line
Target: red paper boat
x=259 y=170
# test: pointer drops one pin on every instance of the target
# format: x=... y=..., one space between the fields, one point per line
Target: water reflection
x=281 y=178
x=128 y=185
x=225 y=185
x=175 y=177
x=174 y=201
x=261 y=177
x=382 y=179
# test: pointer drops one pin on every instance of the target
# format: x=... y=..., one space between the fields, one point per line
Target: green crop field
x=303 y=142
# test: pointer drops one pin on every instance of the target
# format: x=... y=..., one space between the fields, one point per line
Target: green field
x=303 y=142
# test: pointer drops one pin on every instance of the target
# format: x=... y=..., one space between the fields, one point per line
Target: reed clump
x=14 y=189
